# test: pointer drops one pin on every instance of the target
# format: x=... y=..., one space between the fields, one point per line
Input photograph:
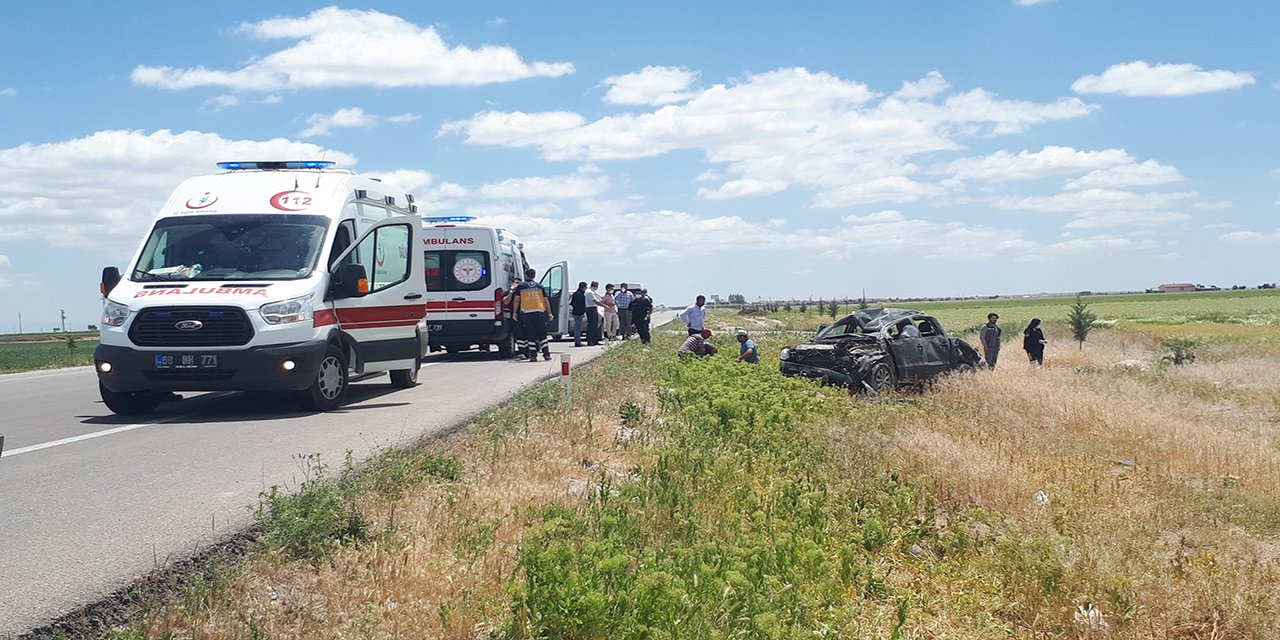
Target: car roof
x=875 y=318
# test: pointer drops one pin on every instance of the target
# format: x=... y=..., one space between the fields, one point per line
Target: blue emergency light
x=276 y=165
x=449 y=218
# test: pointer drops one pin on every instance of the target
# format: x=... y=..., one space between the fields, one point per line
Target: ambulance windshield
x=232 y=247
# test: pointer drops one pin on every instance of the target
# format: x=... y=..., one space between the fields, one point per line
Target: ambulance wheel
x=406 y=378
x=129 y=403
x=329 y=388
x=507 y=348
x=452 y=349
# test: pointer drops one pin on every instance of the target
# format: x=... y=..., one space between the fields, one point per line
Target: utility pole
x=19 y=322
x=64 y=319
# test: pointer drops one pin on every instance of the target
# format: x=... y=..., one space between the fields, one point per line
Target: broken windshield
x=232 y=247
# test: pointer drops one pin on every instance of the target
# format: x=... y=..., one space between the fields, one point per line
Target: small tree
x=1081 y=320
x=834 y=309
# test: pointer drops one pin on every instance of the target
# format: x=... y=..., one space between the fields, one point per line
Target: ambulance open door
x=556 y=282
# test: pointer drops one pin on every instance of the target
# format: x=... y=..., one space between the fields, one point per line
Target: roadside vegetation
x=1127 y=489
x=29 y=352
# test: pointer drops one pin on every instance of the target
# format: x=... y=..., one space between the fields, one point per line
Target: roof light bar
x=449 y=218
x=276 y=165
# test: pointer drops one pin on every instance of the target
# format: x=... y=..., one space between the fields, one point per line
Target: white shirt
x=592 y=298
x=694 y=316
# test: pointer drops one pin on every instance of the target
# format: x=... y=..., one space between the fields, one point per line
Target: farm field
x=29 y=352
x=705 y=498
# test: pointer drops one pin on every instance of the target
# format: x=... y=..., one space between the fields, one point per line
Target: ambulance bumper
x=464 y=333
x=252 y=369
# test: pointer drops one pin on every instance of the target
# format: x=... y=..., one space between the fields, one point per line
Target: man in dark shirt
x=641 y=309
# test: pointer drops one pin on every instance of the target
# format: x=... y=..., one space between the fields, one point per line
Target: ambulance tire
x=452 y=349
x=329 y=389
x=134 y=403
x=507 y=348
x=406 y=378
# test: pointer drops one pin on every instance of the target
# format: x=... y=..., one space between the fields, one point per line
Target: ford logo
x=188 y=325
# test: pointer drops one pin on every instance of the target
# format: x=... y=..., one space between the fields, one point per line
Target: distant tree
x=803 y=307
x=834 y=309
x=737 y=298
x=1081 y=320
x=786 y=306
x=93 y=327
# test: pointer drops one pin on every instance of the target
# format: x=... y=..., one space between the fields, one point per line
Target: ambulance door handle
x=413 y=296
x=458 y=299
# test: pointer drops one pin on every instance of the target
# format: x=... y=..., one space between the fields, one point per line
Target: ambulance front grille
x=218 y=327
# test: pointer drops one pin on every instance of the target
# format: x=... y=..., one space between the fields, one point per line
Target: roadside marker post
x=566 y=379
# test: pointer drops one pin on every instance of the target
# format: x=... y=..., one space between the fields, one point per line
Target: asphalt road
x=90 y=500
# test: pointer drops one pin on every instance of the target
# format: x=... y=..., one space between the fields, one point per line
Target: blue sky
x=908 y=149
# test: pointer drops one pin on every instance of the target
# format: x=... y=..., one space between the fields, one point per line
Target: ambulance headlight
x=114 y=313
x=286 y=311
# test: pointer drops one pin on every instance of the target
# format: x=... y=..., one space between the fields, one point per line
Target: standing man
x=593 y=314
x=747 y=351
x=989 y=336
x=531 y=303
x=623 y=298
x=578 y=308
x=641 y=307
x=694 y=316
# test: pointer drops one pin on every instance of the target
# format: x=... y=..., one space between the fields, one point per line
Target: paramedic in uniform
x=535 y=312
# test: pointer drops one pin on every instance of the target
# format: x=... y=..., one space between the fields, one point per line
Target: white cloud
x=348 y=48
x=555 y=188
x=1139 y=78
x=782 y=129
x=1028 y=3
x=218 y=103
x=1094 y=200
x=431 y=195
x=1149 y=173
x=404 y=117
x=650 y=86
x=8 y=92
x=1113 y=219
x=321 y=124
x=4 y=261
x=888 y=215
x=101 y=191
x=272 y=99
x=1250 y=237
x=1082 y=246
x=1052 y=160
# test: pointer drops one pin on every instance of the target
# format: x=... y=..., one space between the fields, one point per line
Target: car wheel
x=406 y=378
x=880 y=378
x=329 y=388
x=129 y=403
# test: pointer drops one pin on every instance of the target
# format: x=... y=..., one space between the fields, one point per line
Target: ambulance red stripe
x=368 y=317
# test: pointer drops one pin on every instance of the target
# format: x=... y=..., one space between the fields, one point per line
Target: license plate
x=435 y=327
x=187 y=361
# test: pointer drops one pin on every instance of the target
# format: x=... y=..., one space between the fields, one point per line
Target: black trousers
x=642 y=328
x=593 y=325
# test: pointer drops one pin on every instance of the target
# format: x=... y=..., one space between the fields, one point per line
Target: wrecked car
x=878 y=349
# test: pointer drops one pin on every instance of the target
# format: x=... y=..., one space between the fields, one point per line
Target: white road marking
x=87 y=436
x=36 y=375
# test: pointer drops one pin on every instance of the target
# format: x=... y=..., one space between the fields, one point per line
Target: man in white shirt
x=694 y=316
x=593 y=314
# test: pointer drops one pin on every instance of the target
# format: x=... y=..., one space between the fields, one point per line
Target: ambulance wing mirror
x=349 y=281
x=110 y=278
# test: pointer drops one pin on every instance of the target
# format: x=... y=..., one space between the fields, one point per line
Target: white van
x=287 y=276
x=470 y=268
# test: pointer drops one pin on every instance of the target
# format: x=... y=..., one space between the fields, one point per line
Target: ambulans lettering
x=291 y=200
x=450 y=240
x=218 y=291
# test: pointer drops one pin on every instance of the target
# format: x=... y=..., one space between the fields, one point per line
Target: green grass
x=29 y=356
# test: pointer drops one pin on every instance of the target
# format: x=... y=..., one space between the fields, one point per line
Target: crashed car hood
x=833 y=350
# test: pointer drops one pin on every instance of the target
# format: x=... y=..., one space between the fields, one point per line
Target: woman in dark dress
x=1033 y=341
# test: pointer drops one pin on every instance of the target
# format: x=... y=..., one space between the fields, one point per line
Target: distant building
x=1176 y=288
x=715 y=297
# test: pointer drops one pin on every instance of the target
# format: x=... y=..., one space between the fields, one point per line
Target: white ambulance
x=285 y=276
x=470 y=268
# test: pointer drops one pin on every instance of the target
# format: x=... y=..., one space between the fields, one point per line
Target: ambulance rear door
x=556 y=282
x=384 y=322
x=461 y=281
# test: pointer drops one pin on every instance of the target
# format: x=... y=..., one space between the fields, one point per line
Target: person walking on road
x=623 y=298
x=641 y=309
x=578 y=309
x=593 y=314
x=694 y=316
x=1033 y=342
x=747 y=351
x=535 y=313
x=989 y=336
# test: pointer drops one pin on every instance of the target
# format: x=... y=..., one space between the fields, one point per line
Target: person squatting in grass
x=1033 y=342
x=535 y=312
x=697 y=345
x=747 y=351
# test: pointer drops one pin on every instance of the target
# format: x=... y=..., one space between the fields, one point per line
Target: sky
x=774 y=150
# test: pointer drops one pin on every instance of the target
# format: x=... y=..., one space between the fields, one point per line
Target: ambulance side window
x=385 y=256
x=434 y=281
x=342 y=240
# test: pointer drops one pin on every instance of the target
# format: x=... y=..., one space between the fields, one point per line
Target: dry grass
x=1163 y=486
